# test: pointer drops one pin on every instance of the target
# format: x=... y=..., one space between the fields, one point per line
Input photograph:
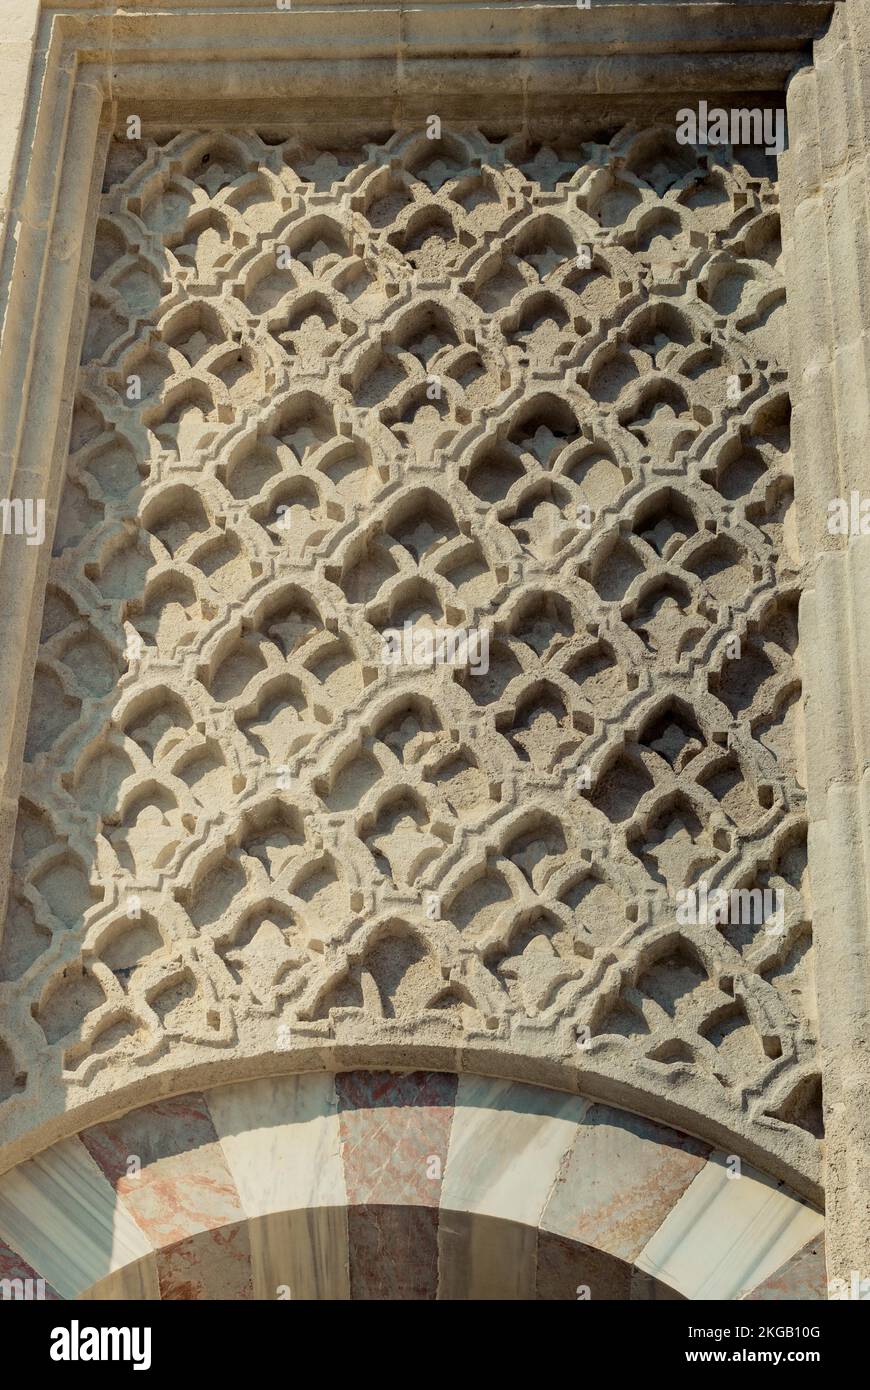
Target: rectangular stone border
x=68 y=71
x=826 y=224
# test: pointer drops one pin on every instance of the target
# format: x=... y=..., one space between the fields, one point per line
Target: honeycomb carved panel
x=530 y=389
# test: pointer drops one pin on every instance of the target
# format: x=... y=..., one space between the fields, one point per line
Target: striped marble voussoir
x=377 y=1185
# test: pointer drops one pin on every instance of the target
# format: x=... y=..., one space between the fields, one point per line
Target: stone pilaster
x=827 y=239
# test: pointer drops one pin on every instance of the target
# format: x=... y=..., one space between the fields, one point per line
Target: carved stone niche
x=486 y=350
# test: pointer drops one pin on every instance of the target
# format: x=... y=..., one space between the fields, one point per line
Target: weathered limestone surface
x=496 y=385
x=825 y=178
x=241 y=844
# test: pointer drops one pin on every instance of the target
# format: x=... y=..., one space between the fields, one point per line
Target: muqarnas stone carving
x=331 y=389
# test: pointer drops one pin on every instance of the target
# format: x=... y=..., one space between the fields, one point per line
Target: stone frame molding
x=73 y=71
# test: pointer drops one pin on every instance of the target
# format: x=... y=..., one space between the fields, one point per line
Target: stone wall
x=332 y=390
x=524 y=367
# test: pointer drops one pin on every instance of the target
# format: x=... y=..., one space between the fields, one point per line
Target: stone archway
x=720 y=1035
x=372 y=1185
